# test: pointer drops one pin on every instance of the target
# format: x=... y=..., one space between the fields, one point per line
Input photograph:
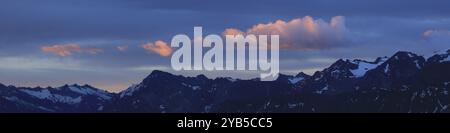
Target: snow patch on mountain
x=196 y=88
x=322 y=90
x=231 y=79
x=41 y=94
x=45 y=94
x=446 y=59
x=417 y=64
x=100 y=108
x=130 y=90
x=386 y=69
x=364 y=66
x=90 y=91
x=295 y=80
x=410 y=55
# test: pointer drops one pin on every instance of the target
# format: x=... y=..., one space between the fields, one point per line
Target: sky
x=112 y=44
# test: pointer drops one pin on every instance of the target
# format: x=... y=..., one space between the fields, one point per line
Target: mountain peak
x=340 y=61
x=439 y=57
x=404 y=54
x=380 y=59
x=299 y=77
x=159 y=73
x=75 y=85
x=403 y=58
x=2 y=85
x=87 y=86
x=341 y=65
x=201 y=76
x=302 y=74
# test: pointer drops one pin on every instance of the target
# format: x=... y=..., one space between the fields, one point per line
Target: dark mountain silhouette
x=404 y=82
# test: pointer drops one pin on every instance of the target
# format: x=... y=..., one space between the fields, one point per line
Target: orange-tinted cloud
x=436 y=33
x=159 y=47
x=302 y=33
x=232 y=31
x=67 y=49
x=122 y=48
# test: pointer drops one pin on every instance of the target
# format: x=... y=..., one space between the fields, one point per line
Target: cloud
x=35 y=63
x=303 y=33
x=93 y=50
x=67 y=49
x=232 y=31
x=159 y=47
x=436 y=39
x=436 y=33
x=61 y=50
x=122 y=48
x=441 y=36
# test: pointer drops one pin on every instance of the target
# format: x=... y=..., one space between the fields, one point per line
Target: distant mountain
x=67 y=98
x=404 y=82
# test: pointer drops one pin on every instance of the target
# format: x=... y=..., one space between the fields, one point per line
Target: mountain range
x=403 y=83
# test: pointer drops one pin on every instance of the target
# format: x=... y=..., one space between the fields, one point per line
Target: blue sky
x=100 y=42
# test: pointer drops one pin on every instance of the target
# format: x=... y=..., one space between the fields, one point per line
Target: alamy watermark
x=258 y=47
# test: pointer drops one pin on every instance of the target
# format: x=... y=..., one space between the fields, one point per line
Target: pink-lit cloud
x=232 y=31
x=436 y=39
x=159 y=47
x=436 y=33
x=67 y=49
x=303 y=33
